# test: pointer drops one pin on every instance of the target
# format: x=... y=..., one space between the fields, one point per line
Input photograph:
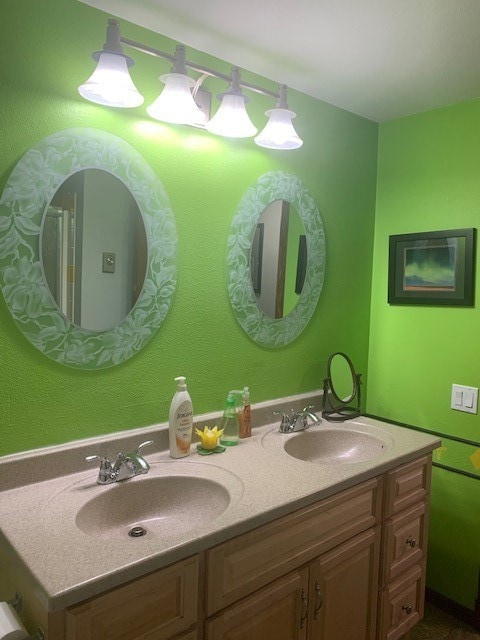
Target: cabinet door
x=154 y=607
x=343 y=590
x=276 y=612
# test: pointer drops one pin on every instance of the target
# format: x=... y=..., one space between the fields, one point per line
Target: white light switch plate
x=464 y=398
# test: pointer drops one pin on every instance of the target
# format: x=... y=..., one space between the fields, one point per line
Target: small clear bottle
x=245 y=422
x=230 y=426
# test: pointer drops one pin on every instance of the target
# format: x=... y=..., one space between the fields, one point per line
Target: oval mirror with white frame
x=282 y=321
x=87 y=248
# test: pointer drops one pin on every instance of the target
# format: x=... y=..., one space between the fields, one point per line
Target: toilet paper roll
x=11 y=627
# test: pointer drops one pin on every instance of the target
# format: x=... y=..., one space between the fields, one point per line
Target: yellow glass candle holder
x=209 y=440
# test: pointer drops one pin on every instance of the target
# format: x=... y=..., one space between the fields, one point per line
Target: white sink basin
x=164 y=506
x=172 y=499
x=330 y=446
x=322 y=444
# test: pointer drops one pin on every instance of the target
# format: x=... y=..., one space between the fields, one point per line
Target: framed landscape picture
x=432 y=268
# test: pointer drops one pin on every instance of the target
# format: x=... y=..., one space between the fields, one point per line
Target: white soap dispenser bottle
x=180 y=421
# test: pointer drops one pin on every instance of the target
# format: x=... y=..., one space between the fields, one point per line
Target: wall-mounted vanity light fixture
x=111 y=85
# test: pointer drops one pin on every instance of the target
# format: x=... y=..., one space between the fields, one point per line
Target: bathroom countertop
x=38 y=519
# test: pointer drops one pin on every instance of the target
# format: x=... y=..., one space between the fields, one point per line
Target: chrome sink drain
x=137 y=532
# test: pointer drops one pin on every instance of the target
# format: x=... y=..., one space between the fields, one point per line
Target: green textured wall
x=428 y=179
x=45 y=49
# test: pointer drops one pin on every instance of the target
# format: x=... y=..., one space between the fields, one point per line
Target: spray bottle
x=230 y=425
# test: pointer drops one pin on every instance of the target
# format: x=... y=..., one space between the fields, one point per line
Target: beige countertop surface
x=38 y=520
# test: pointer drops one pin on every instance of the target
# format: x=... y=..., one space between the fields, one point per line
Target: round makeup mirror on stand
x=341 y=389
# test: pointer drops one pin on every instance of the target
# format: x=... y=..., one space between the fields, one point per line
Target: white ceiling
x=381 y=59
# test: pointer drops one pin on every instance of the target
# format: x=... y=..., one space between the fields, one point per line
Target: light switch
x=108 y=262
x=464 y=398
x=458 y=398
x=468 y=400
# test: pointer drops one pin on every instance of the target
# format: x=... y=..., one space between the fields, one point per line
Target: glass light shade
x=231 y=119
x=279 y=132
x=175 y=103
x=110 y=84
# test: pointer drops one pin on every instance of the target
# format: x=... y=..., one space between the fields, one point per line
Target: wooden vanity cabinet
x=352 y=566
x=349 y=567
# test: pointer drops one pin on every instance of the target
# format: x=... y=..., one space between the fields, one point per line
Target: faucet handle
x=103 y=461
x=105 y=471
x=286 y=422
x=143 y=444
x=308 y=408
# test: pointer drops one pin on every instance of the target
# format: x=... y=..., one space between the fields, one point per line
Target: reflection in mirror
x=278 y=259
x=342 y=377
x=341 y=387
x=94 y=249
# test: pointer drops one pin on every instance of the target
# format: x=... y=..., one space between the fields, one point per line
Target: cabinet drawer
x=155 y=607
x=246 y=563
x=401 y=604
x=407 y=484
x=404 y=541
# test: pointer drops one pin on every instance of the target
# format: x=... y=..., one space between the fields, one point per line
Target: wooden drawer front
x=401 y=604
x=246 y=563
x=278 y=612
x=155 y=607
x=407 y=484
x=404 y=542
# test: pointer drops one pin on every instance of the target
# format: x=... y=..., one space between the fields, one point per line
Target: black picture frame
x=432 y=268
x=301 y=264
x=256 y=257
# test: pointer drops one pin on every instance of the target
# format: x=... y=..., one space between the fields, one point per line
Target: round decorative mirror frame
x=267 y=331
x=29 y=189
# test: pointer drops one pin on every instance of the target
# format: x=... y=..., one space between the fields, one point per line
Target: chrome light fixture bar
x=111 y=85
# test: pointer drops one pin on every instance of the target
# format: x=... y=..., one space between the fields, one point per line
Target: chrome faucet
x=124 y=467
x=297 y=420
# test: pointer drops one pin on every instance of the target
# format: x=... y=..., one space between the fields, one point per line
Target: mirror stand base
x=340 y=414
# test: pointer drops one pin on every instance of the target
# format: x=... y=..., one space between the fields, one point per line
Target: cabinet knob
x=407 y=608
x=304 y=617
x=411 y=541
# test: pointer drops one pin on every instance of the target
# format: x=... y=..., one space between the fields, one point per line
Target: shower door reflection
x=60 y=254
